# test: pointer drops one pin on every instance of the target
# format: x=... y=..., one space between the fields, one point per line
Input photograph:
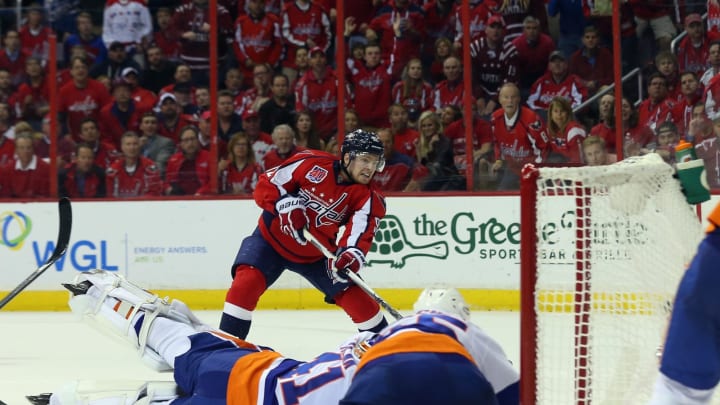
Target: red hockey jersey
x=523 y=141
x=329 y=204
x=143 y=181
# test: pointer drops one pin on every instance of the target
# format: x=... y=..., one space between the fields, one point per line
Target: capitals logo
x=14 y=229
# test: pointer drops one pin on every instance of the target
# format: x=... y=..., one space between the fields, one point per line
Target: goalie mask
x=443 y=299
x=359 y=142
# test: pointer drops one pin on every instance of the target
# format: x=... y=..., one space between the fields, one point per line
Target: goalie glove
x=347 y=259
x=291 y=212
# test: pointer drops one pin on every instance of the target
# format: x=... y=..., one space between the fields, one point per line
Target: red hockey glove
x=291 y=212
x=349 y=259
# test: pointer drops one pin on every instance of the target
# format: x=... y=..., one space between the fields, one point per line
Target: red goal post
x=602 y=250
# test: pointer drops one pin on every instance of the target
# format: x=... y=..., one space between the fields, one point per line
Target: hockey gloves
x=347 y=259
x=291 y=212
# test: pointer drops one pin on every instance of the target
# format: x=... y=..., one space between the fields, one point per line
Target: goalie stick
x=352 y=276
x=61 y=246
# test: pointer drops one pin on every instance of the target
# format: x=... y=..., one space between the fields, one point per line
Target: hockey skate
x=110 y=301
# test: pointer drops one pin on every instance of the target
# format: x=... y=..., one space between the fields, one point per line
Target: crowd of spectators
x=134 y=102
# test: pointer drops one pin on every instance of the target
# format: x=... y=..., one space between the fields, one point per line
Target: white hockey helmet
x=443 y=299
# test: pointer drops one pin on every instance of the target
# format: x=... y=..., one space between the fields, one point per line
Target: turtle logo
x=14 y=229
x=392 y=246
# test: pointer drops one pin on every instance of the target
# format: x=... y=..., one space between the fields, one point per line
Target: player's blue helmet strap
x=360 y=141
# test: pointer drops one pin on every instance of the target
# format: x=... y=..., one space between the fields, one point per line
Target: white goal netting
x=612 y=244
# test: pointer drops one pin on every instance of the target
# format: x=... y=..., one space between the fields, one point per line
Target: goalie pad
x=115 y=393
x=113 y=303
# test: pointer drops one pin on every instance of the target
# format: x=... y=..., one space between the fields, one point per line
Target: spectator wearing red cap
x=262 y=143
x=693 y=50
x=496 y=61
x=316 y=92
x=399 y=29
x=257 y=39
x=304 y=23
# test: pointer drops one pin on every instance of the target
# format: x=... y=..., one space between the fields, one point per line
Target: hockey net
x=602 y=251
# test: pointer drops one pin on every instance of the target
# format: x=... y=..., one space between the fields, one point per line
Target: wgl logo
x=16 y=227
x=84 y=255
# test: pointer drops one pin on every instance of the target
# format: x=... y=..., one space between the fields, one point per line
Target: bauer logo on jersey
x=316 y=174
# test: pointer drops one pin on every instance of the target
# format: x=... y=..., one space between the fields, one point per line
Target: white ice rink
x=40 y=351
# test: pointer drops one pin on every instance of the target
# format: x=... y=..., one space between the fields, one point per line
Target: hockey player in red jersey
x=315 y=190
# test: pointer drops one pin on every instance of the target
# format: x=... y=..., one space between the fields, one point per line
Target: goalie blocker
x=211 y=367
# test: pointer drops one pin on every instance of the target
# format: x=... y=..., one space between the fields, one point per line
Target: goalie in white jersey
x=459 y=363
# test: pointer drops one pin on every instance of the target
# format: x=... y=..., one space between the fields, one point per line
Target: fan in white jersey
x=211 y=367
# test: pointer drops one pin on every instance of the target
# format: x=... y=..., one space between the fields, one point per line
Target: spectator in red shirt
x=257 y=38
x=132 y=175
x=7 y=149
x=405 y=138
x=82 y=178
x=31 y=101
x=283 y=138
x=12 y=57
x=316 y=92
x=439 y=22
x=591 y=63
x=657 y=107
x=399 y=167
x=413 y=91
x=557 y=81
x=104 y=151
x=656 y=15
x=371 y=87
x=81 y=98
x=262 y=143
x=451 y=90
x=637 y=136
x=692 y=52
x=34 y=34
x=256 y=96
x=27 y=176
x=519 y=137
x=442 y=50
x=170 y=120
x=566 y=135
x=162 y=38
x=691 y=94
x=304 y=24
x=399 y=29
x=144 y=99
x=605 y=129
x=534 y=48
x=239 y=172
x=121 y=115
x=188 y=170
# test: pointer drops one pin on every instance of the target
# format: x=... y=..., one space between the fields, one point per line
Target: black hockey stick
x=61 y=246
x=352 y=276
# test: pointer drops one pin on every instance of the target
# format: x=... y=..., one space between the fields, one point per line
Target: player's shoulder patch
x=316 y=174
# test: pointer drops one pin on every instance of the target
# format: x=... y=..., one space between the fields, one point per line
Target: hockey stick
x=352 y=276
x=61 y=246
